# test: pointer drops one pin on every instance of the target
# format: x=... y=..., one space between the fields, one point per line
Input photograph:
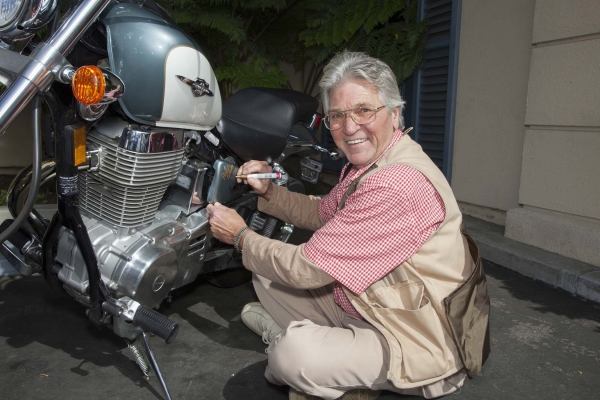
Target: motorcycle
x=129 y=110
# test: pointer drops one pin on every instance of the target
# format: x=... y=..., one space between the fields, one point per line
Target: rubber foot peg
x=112 y=309
x=156 y=323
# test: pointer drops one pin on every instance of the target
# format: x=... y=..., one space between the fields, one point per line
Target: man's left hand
x=225 y=222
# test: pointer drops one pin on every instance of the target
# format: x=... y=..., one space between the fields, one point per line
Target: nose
x=350 y=127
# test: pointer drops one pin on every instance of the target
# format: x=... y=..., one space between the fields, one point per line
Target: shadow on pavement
x=543 y=297
x=250 y=384
x=31 y=312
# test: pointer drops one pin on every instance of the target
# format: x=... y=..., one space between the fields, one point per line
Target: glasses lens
x=363 y=115
x=335 y=120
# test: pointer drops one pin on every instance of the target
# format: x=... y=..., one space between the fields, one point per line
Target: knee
x=293 y=356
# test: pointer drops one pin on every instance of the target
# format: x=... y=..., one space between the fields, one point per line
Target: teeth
x=356 y=141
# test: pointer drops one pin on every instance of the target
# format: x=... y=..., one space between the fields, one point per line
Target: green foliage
x=246 y=40
x=40 y=198
x=257 y=71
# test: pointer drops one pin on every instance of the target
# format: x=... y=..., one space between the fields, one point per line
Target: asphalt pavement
x=545 y=345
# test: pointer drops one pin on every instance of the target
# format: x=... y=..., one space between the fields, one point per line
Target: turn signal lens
x=88 y=85
x=79 y=149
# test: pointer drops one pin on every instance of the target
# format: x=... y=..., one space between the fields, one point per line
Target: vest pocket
x=409 y=316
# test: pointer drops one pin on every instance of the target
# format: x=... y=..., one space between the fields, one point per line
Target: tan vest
x=407 y=305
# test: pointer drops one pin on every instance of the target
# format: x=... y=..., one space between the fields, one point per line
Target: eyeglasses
x=360 y=115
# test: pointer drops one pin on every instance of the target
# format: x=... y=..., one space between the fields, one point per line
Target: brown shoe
x=354 y=394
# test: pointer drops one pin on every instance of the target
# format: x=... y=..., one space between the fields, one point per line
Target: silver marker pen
x=274 y=175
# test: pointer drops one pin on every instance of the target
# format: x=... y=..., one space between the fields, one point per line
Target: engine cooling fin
x=128 y=187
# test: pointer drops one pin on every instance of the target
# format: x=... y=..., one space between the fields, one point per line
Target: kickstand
x=154 y=364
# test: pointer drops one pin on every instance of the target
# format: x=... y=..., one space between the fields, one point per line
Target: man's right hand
x=261 y=186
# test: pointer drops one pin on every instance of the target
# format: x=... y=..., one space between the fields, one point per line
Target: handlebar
x=36 y=73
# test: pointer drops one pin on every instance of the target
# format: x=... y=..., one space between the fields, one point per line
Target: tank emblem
x=158 y=283
x=199 y=86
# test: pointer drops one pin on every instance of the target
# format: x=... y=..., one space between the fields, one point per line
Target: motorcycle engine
x=144 y=250
x=143 y=204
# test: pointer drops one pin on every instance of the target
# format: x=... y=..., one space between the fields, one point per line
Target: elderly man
x=388 y=293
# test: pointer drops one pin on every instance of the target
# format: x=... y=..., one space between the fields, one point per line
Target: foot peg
x=156 y=323
x=142 y=316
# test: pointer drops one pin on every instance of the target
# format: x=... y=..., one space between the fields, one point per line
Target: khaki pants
x=324 y=351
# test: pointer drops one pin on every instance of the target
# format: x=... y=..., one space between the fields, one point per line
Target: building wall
x=560 y=179
x=493 y=74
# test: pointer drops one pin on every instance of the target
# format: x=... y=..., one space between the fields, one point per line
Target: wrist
x=238 y=238
x=243 y=238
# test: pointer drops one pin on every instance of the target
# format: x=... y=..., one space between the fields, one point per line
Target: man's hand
x=225 y=222
x=261 y=186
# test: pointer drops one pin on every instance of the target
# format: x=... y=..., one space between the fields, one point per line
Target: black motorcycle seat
x=256 y=122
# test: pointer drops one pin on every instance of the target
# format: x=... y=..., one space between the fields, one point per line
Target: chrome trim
x=91 y=112
x=115 y=87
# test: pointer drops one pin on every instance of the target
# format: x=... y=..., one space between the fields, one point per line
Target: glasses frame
x=350 y=111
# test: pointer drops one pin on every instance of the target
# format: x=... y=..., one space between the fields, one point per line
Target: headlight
x=21 y=18
x=9 y=11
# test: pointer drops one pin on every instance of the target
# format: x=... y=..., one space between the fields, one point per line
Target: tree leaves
x=258 y=71
x=246 y=40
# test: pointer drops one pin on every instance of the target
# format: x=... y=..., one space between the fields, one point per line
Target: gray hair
x=353 y=65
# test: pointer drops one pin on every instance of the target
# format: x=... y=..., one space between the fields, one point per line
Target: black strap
x=352 y=188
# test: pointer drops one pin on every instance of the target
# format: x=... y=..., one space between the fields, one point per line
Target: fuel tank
x=168 y=80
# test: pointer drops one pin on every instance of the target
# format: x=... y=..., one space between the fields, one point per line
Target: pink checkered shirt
x=387 y=219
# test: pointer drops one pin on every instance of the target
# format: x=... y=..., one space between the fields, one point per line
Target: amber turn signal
x=88 y=85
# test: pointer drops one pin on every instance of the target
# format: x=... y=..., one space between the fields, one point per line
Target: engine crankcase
x=143 y=264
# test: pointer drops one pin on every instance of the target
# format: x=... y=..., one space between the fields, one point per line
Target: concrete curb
x=576 y=277
x=47 y=211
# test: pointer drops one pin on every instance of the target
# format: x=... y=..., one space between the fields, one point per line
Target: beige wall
x=560 y=178
x=493 y=72
x=527 y=133
x=560 y=19
x=16 y=144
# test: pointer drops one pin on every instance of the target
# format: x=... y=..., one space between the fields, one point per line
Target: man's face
x=362 y=144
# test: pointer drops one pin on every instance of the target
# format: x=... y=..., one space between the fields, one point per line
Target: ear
x=396 y=118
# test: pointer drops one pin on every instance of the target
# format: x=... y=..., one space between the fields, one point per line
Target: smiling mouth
x=356 y=141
